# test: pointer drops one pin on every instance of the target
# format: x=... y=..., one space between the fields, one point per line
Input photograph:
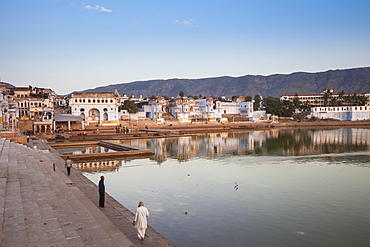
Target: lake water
x=261 y=188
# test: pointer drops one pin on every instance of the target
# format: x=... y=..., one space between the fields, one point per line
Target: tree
x=355 y=100
x=273 y=106
x=341 y=98
x=181 y=94
x=279 y=108
x=257 y=102
x=334 y=102
x=130 y=106
x=296 y=101
x=288 y=108
x=327 y=97
x=248 y=98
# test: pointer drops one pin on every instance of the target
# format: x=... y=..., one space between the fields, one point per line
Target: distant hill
x=349 y=80
x=7 y=85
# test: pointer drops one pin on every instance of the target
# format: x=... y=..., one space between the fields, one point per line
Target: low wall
x=14 y=137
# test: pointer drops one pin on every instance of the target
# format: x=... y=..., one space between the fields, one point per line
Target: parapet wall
x=13 y=135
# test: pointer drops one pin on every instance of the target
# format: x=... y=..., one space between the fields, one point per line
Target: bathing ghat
x=120 y=150
x=41 y=206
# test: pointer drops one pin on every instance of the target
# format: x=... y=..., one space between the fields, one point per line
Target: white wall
x=351 y=113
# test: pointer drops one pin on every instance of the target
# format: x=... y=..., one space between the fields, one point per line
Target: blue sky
x=69 y=45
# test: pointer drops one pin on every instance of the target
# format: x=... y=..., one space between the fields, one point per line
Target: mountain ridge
x=354 y=80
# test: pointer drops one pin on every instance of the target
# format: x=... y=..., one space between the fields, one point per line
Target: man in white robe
x=140 y=221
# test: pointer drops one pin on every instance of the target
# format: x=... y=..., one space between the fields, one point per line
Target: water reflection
x=258 y=143
x=283 y=142
x=102 y=165
x=97 y=165
x=84 y=150
x=295 y=187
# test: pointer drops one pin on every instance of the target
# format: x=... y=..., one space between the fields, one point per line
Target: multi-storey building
x=207 y=109
x=246 y=109
x=186 y=109
x=31 y=103
x=96 y=108
x=351 y=113
x=319 y=100
x=322 y=106
x=156 y=108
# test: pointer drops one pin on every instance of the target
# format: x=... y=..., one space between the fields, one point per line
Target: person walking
x=68 y=165
x=101 y=192
x=140 y=221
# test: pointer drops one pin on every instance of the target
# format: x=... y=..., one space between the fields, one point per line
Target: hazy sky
x=69 y=45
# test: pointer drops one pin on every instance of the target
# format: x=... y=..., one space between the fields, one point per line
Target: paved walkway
x=43 y=207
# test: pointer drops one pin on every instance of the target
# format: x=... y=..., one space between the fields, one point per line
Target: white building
x=228 y=107
x=186 y=109
x=96 y=108
x=351 y=113
x=207 y=109
x=10 y=115
x=246 y=109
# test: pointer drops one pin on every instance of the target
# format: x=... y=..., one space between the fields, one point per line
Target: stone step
x=89 y=230
x=14 y=227
x=39 y=207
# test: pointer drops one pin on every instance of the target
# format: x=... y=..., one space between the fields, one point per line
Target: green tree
x=355 y=100
x=257 y=102
x=181 y=94
x=279 y=108
x=288 y=108
x=130 y=106
x=248 y=98
x=327 y=98
x=340 y=98
x=296 y=101
x=334 y=102
x=273 y=106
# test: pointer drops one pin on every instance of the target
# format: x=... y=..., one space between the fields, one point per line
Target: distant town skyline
x=77 y=45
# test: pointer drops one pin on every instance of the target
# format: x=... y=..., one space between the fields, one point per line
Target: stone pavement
x=40 y=206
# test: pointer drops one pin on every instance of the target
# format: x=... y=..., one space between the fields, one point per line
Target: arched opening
x=83 y=116
x=105 y=116
x=35 y=114
x=94 y=115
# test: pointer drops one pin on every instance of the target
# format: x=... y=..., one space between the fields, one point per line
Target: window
x=89 y=101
